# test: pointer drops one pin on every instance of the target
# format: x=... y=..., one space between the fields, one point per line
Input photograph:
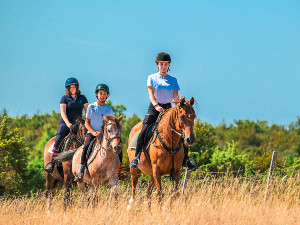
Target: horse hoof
x=128 y=208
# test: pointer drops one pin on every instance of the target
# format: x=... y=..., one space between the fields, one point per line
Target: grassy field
x=234 y=201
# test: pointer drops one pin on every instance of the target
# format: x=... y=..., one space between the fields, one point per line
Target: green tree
x=13 y=160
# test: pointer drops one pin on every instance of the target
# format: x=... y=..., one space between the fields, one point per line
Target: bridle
x=110 y=139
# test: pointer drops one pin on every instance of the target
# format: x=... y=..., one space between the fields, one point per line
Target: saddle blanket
x=133 y=141
x=50 y=148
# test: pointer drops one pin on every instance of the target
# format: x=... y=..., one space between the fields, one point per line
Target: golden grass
x=235 y=201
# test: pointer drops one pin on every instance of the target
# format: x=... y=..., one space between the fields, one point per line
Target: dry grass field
x=235 y=201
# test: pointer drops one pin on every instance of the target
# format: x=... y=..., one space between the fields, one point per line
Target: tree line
x=244 y=145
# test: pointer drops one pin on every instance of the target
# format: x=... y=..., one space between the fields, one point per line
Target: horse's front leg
x=175 y=185
x=114 y=189
x=134 y=180
x=157 y=180
x=50 y=183
x=68 y=192
x=150 y=190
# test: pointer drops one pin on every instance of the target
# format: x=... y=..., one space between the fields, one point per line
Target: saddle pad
x=133 y=141
x=50 y=148
x=94 y=153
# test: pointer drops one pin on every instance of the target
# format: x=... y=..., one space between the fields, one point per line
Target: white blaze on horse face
x=114 y=134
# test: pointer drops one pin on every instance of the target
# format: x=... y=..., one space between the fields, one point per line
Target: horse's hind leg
x=134 y=180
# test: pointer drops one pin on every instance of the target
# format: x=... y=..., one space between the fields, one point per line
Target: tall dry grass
x=233 y=201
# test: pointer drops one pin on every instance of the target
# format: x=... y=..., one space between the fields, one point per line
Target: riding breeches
x=62 y=131
x=149 y=119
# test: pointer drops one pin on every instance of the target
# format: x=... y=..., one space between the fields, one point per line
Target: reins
x=171 y=150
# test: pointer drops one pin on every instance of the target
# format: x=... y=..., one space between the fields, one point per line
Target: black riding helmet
x=163 y=57
x=102 y=87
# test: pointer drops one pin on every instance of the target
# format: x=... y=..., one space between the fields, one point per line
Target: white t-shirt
x=163 y=87
x=95 y=112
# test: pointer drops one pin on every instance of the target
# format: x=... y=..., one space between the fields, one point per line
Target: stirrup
x=134 y=162
x=50 y=168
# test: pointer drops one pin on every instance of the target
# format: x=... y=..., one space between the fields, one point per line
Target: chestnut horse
x=103 y=163
x=178 y=122
x=73 y=140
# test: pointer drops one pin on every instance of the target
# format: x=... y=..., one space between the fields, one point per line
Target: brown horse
x=73 y=140
x=103 y=163
x=177 y=122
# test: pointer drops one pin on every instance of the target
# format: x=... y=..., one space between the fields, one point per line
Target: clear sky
x=238 y=59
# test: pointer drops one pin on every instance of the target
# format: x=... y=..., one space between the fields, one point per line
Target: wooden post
x=271 y=171
x=186 y=179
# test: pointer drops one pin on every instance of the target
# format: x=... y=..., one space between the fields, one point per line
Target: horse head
x=79 y=128
x=186 y=115
x=112 y=132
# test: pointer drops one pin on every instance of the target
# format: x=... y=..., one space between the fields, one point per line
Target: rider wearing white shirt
x=162 y=89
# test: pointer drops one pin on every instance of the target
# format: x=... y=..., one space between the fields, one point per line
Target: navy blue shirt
x=73 y=107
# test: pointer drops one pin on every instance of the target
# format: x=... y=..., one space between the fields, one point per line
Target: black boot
x=134 y=162
x=50 y=168
x=190 y=165
x=79 y=176
x=186 y=160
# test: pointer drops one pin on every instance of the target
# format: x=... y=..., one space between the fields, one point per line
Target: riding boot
x=51 y=166
x=134 y=162
x=186 y=160
x=79 y=176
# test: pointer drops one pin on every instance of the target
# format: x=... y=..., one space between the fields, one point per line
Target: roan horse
x=178 y=122
x=73 y=140
x=104 y=163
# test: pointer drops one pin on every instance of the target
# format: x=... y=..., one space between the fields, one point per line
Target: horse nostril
x=118 y=149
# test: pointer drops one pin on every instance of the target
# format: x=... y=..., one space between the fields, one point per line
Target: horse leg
x=134 y=180
x=175 y=186
x=150 y=190
x=68 y=192
x=157 y=180
x=94 y=195
x=114 y=189
x=50 y=182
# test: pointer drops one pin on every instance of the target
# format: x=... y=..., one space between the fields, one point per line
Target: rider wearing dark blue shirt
x=71 y=106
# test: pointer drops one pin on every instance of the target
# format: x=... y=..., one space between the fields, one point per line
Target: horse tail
x=65 y=156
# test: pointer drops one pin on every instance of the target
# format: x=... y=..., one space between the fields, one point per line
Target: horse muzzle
x=190 y=140
x=117 y=149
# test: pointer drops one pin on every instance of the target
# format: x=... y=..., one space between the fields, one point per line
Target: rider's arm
x=153 y=100
x=85 y=107
x=90 y=129
x=63 y=110
x=175 y=95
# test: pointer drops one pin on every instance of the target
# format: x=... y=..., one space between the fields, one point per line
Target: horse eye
x=110 y=131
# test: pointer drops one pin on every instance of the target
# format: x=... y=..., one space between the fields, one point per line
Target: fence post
x=271 y=171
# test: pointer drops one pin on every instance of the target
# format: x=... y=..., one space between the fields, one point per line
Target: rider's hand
x=96 y=133
x=159 y=108
x=69 y=125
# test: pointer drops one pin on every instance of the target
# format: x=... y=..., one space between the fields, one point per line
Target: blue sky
x=239 y=59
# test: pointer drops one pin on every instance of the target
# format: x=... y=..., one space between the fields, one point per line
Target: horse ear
x=192 y=101
x=182 y=101
x=120 y=118
x=104 y=118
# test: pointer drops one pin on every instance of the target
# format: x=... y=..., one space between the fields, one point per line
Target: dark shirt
x=73 y=107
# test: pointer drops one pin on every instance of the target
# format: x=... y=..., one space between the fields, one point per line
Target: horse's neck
x=164 y=128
